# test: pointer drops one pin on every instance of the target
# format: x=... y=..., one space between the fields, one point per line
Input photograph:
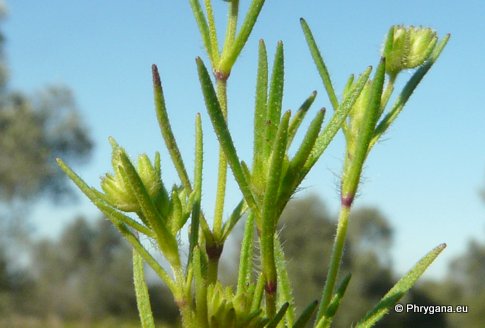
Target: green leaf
x=236 y=215
x=334 y=304
x=295 y=172
x=273 y=323
x=200 y=274
x=222 y=132
x=147 y=257
x=141 y=292
x=338 y=118
x=199 y=159
x=275 y=98
x=246 y=172
x=166 y=129
x=97 y=199
x=203 y=27
x=319 y=62
x=258 y=293
x=299 y=116
x=231 y=28
x=212 y=31
x=166 y=241
x=306 y=315
x=269 y=212
x=247 y=26
x=246 y=256
x=285 y=292
x=260 y=111
x=177 y=220
x=308 y=141
x=399 y=289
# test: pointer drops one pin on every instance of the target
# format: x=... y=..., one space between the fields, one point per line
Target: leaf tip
x=156 y=75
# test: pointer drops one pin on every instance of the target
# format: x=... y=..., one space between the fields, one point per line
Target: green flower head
x=408 y=47
x=118 y=191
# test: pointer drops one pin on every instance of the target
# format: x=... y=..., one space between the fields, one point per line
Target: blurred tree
x=87 y=275
x=34 y=129
x=465 y=286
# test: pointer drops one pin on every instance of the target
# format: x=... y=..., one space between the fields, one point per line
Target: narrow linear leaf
x=336 y=299
x=246 y=256
x=279 y=315
x=269 y=211
x=336 y=121
x=326 y=320
x=252 y=320
x=147 y=257
x=348 y=85
x=166 y=129
x=247 y=26
x=246 y=172
x=200 y=274
x=308 y=141
x=199 y=159
x=285 y=292
x=96 y=198
x=260 y=109
x=258 y=293
x=400 y=288
x=236 y=215
x=299 y=116
x=141 y=292
x=166 y=241
x=319 y=62
x=295 y=172
x=231 y=26
x=222 y=132
x=306 y=315
x=177 y=221
x=275 y=99
x=212 y=30
x=203 y=27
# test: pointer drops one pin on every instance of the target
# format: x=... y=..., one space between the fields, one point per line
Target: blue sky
x=424 y=177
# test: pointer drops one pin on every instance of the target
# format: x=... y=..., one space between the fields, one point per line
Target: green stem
x=212 y=270
x=221 y=186
x=183 y=301
x=270 y=302
x=335 y=260
x=222 y=172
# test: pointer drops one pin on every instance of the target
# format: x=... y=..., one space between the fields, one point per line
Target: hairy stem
x=336 y=258
x=222 y=172
x=221 y=184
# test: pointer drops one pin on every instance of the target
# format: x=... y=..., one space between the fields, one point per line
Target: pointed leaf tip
x=156 y=75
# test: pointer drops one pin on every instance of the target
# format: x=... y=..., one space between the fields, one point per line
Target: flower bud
x=119 y=194
x=408 y=47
